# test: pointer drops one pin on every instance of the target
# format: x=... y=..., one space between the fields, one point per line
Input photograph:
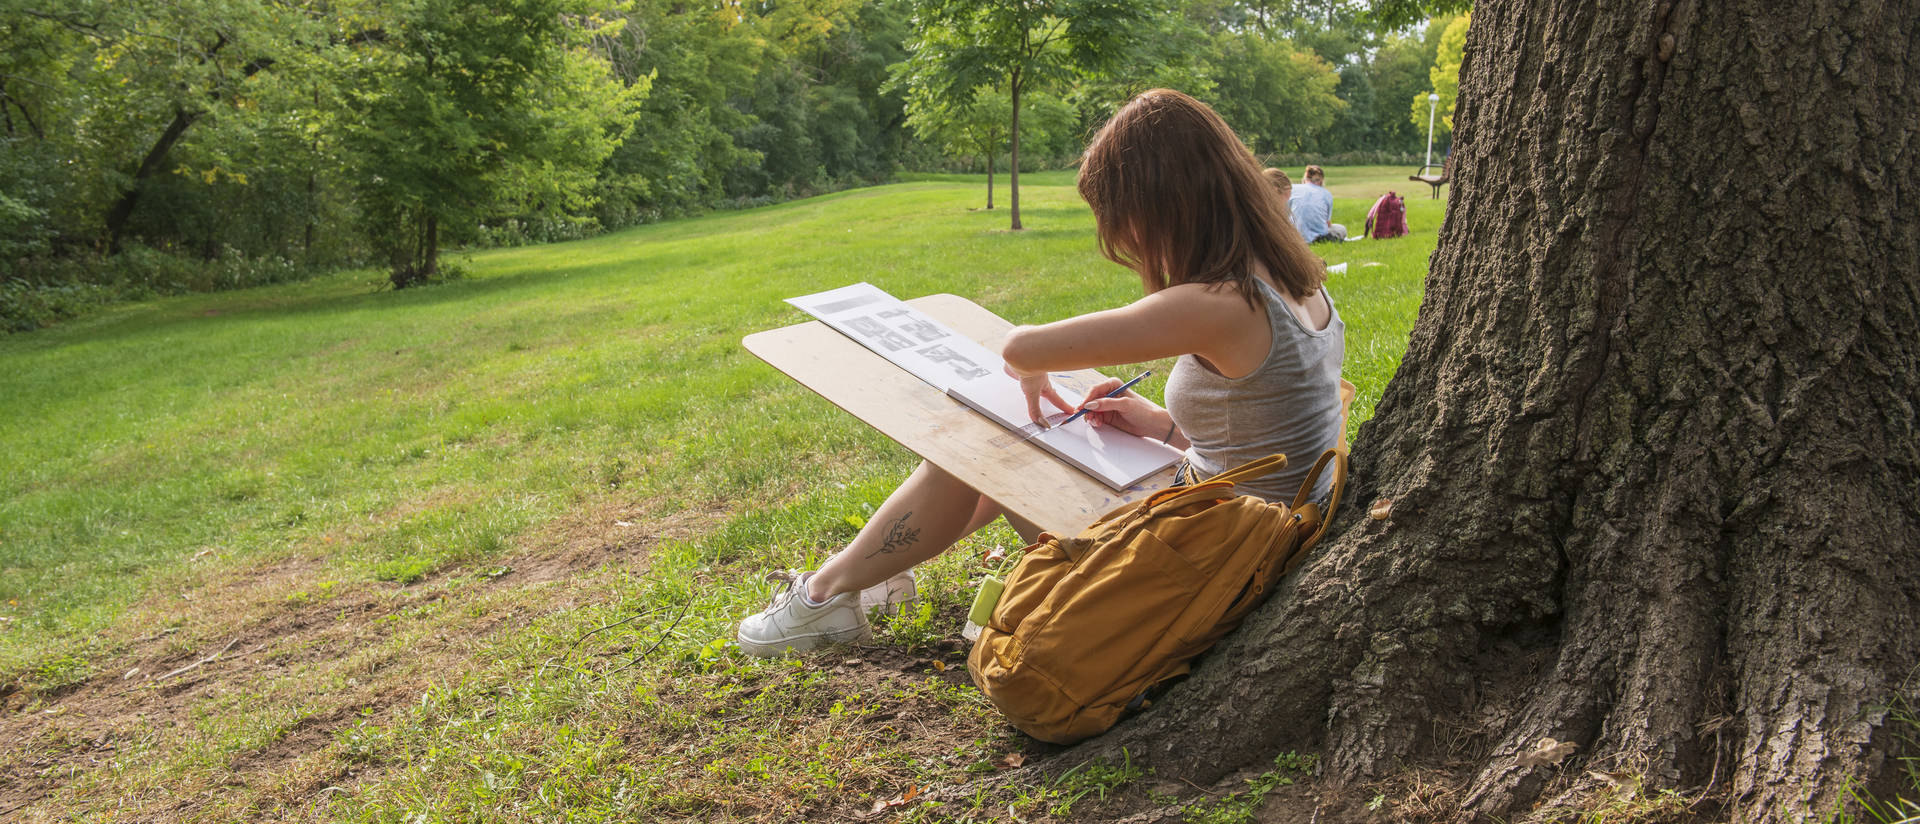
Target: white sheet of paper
x=1118 y=459
x=901 y=334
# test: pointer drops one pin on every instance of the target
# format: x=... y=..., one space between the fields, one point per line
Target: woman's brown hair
x=1179 y=199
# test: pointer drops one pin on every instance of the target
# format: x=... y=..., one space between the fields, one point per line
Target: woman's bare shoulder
x=1204 y=297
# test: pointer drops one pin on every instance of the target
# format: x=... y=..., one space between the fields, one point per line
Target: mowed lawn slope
x=327 y=552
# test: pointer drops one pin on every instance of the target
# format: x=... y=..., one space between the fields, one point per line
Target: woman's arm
x=1209 y=320
x=1212 y=321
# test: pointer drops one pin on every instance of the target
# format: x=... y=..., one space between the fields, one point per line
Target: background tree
x=1651 y=455
x=1443 y=79
x=1171 y=51
x=112 y=88
x=469 y=112
x=961 y=47
x=681 y=147
x=1278 y=99
x=977 y=129
x=1337 y=30
x=1375 y=88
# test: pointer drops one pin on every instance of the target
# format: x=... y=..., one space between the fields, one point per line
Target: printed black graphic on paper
x=878 y=333
x=960 y=364
x=921 y=328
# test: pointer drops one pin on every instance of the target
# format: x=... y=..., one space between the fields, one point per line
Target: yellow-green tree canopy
x=1445 y=75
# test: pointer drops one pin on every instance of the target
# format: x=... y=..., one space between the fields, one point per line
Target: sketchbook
x=975 y=376
x=1118 y=459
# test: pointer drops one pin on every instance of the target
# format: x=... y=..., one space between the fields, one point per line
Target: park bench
x=1435 y=181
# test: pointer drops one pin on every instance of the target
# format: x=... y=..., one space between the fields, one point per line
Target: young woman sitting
x=1230 y=289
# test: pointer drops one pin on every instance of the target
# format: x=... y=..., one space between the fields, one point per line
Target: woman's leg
x=929 y=512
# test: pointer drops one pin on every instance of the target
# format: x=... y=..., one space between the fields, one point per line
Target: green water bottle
x=983 y=603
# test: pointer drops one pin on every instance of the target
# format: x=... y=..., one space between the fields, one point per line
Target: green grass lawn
x=407 y=515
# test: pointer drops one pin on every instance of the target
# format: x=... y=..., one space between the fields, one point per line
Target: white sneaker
x=893 y=592
x=792 y=624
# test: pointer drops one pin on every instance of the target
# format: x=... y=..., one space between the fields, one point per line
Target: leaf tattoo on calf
x=898 y=537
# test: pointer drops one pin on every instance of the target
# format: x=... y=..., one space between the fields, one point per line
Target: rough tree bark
x=1652 y=451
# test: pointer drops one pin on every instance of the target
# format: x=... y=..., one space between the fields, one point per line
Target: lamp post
x=1433 y=102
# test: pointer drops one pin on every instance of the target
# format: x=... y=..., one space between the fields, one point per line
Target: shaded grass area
x=469 y=548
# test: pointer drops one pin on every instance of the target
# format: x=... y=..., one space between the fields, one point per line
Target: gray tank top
x=1291 y=404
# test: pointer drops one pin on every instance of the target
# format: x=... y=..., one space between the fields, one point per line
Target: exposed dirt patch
x=613 y=531
x=285 y=634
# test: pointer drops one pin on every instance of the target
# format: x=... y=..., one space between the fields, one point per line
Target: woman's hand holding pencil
x=1107 y=404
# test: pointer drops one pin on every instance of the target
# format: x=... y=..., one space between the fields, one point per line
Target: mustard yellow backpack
x=1087 y=624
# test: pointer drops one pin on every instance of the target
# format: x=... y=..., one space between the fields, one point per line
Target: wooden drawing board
x=1022 y=478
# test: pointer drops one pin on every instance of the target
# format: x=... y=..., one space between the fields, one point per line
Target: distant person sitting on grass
x=1312 y=208
x=1229 y=291
x=1282 y=184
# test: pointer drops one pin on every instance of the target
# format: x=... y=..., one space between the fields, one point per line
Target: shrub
x=43 y=291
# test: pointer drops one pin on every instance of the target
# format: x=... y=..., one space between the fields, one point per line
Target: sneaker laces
x=786 y=578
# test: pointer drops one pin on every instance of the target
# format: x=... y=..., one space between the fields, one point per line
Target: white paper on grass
x=1118 y=459
x=901 y=334
x=947 y=360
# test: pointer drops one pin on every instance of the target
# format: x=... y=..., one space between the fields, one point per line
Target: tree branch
x=32 y=126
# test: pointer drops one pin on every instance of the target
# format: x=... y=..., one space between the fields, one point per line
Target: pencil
x=1117 y=390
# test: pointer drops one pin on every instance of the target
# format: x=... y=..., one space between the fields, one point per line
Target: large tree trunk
x=1652 y=451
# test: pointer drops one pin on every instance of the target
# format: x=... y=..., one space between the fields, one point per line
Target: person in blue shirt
x=1312 y=208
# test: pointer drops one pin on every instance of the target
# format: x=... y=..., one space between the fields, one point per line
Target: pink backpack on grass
x=1387 y=218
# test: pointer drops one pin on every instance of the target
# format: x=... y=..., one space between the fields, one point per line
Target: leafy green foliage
x=1445 y=76
x=1276 y=97
x=1391 y=13
x=157 y=146
x=1375 y=89
x=964 y=47
x=470 y=112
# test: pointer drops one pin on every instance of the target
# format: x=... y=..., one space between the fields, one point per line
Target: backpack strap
x=1338 y=457
x=1251 y=470
x=1239 y=474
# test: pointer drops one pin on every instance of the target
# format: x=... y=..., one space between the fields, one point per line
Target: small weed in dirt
x=406 y=569
x=319 y=592
x=1240 y=807
x=58 y=673
x=1095 y=778
x=911 y=627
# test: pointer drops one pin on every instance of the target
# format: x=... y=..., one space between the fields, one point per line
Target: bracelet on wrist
x=1168 y=438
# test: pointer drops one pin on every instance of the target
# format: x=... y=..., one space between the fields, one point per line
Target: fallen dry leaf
x=1013 y=760
x=1547 y=751
x=1614 y=778
x=1381 y=509
x=1626 y=786
x=939 y=666
x=896 y=801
